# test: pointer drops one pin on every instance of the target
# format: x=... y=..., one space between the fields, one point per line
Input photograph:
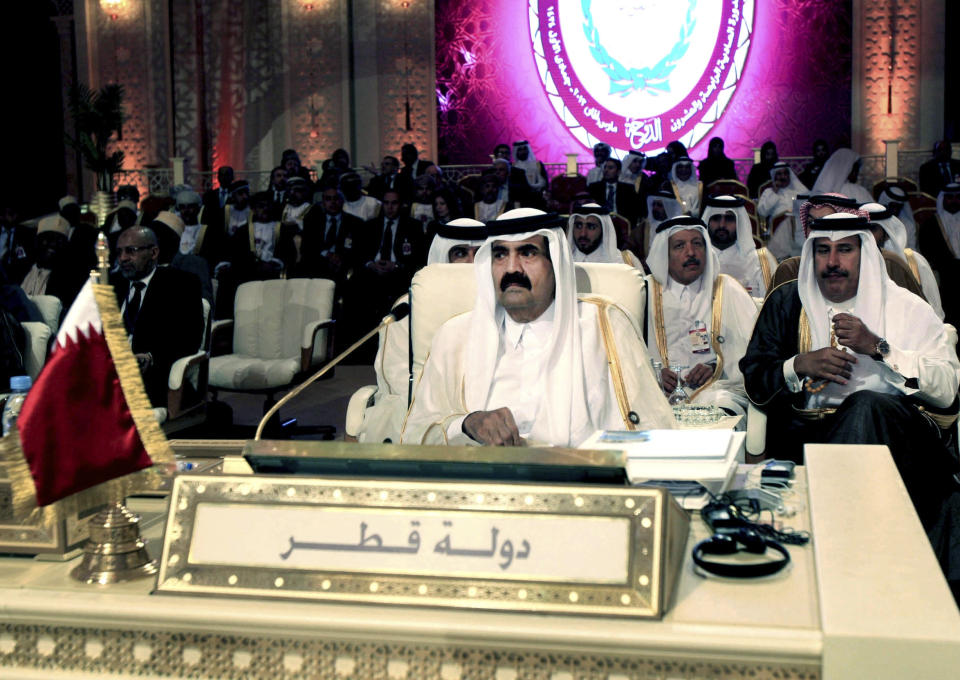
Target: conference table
x=865 y=599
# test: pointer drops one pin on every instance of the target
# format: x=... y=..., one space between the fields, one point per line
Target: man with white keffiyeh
x=532 y=363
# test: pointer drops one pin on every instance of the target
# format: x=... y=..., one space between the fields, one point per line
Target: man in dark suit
x=413 y=166
x=387 y=250
x=326 y=243
x=215 y=199
x=16 y=245
x=390 y=178
x=940 y=170
x=160 y=307
x=614 y=195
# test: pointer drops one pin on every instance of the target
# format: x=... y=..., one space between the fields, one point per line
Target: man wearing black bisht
x=843 y=355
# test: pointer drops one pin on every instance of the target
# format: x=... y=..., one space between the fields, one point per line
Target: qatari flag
x=76 y=427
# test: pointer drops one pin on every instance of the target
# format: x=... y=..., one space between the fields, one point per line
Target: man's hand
x=698 y=375
x=493 y=428
x=851 y=332
x=668 y=379
x=825 y=364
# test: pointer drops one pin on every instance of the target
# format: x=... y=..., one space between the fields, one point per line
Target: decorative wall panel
x=315 y=49
x=405 y=71
x=891 y=74
x=129 y=47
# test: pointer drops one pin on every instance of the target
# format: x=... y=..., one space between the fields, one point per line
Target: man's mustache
x=831 y=270
x=518 y=278
x=693 y=261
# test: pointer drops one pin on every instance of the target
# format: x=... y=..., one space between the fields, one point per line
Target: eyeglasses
x=132 y=250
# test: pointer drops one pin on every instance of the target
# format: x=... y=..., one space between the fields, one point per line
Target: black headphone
x=743 y=540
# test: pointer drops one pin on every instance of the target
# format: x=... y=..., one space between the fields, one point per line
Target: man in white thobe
x=593 y=238
x=731 y=235
x=891 y=235
x=526 y=365
x=697 y=318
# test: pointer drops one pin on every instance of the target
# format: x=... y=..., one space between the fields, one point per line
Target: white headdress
x=462 y=231
x=607 y=250
x=564 y=415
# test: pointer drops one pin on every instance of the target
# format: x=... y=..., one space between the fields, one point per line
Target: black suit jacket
x=408 y=243
x=422 y=166
x=932 y=180
x=627 y=203
x=169 y=325
x=313 y=242
x=402 y=183
x=19 y=257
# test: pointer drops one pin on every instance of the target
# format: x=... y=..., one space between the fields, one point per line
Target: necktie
x=223 y=197
x=611 y=196
x=945 y=171
x=133 y=306
x=387 y=241
x=331 y=238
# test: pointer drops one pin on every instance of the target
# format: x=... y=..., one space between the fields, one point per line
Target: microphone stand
x=398 y=313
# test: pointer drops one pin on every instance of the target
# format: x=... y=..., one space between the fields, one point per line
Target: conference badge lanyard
x=699 y=338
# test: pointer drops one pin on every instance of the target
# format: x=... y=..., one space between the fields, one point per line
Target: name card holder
x=49 y=539
x=516 y=547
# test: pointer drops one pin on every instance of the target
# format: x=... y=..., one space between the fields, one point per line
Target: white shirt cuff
x=455 y=434
x=794 y=382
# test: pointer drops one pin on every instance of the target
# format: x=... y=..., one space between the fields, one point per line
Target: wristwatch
x=881 y=350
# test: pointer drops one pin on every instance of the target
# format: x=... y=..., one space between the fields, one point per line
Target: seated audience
x=54 y=270
x=614 y=195
x=821 y=152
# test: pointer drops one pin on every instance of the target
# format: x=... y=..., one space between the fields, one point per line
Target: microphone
x=396 y=314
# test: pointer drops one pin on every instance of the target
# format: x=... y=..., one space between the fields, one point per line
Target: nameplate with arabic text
x=574 y=549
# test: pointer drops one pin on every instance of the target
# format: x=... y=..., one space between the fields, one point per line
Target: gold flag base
x=115 y=551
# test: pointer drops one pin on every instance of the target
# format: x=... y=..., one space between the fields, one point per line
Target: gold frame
x=657 y=540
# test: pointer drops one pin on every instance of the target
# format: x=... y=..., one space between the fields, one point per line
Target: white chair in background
x=281 y=328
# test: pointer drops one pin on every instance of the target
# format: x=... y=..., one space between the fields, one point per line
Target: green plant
x=97 y=115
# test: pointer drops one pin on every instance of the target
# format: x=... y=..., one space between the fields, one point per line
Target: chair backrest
x=564 y=187
x=920 y=200
x=269 y=316
x=908 y=185
x=50 y=308
x=726 y=186
x=441 y=291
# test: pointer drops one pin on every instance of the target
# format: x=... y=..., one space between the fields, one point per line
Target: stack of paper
x=687 y=462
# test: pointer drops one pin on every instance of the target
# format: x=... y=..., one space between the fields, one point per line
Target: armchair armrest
x=359 y=402
x=221 y=337
x=756 y=430
x=176 y=387
x=309 y=341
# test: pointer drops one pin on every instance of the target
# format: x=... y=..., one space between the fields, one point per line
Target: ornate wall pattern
x=409 y=25
x=890 y=74
x=129 y=48
x=316 y=43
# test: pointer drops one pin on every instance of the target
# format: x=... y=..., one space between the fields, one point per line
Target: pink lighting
x=788 y=88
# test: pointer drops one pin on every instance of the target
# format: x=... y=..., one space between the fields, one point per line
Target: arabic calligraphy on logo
x=638 y=74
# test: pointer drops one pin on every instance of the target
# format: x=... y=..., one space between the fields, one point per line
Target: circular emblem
x=639 y=74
